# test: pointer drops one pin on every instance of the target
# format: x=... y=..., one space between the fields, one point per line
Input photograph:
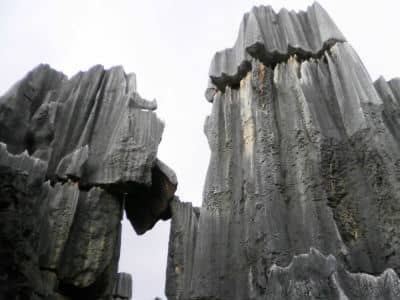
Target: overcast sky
x=169 y=45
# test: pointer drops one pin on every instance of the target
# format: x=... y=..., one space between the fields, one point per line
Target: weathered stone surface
x=20 y=103
x=94 y=237
x=122 y=140
x=61 y=202
x=21 y=218
x=96 y=139
x=123 y=286
x=71 y=166
x=305 y=153
x=314 y=276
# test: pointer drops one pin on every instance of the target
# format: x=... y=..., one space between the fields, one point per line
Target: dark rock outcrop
x=74 y=153
x=122 y=287
x=23 y=196
x=305 y=154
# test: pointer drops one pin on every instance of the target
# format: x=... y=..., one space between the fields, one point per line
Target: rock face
x=123 y=287
x=73 y=154
x=302 y=196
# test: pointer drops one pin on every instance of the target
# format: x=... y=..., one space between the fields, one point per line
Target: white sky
x=169 y=45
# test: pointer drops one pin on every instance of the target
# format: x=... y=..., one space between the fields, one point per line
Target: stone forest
x=301 y=198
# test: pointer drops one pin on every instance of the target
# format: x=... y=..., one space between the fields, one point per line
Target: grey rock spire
x=302 y=198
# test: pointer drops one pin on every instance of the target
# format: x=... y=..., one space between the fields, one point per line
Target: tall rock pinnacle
x=302 y=196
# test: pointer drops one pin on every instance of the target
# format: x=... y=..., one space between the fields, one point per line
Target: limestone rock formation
x=302 y=196
x=73 y=154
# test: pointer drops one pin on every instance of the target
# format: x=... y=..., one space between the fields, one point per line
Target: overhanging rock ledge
x=73 y=153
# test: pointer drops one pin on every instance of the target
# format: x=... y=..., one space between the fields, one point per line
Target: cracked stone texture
x=73 y=154
x=305 y=154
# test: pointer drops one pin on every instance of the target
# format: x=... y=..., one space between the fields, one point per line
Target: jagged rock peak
x=93 y=128
x=272 y=37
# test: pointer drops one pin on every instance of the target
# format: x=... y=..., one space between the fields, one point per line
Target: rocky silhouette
x=302 y=194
